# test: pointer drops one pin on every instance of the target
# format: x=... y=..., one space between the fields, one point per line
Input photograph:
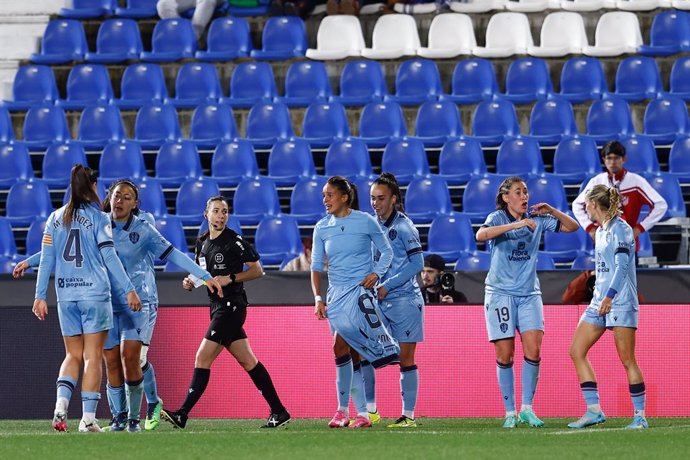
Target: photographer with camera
x=437 y=285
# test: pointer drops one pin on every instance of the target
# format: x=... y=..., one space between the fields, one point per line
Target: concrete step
x=31 y=7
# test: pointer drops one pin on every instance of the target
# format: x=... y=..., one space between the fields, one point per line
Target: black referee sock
x=196 y=388
x=264 y=384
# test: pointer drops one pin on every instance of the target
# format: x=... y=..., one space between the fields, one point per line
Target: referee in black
x=223 y=253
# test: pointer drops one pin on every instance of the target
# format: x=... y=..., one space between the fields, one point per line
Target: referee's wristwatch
x=232 y=278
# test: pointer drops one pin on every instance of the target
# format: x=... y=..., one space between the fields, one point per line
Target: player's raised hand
x=20 y=269
x=541 y=208
x=40 y=309
x=532 y=225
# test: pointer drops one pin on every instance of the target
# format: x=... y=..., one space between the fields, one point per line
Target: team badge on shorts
x=504 y=327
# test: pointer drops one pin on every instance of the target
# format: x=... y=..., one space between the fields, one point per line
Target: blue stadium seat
x=290 y=161
x=380 y=122
x=100 y=191
x=493 y=121
x=100 y=125
x=437 y=122
x=33 y=86
x=645 y=248
x=576 y=159
x=363 y=185
x=177 y=162
x=519 y=156
x=172 y=230
x=138 y=9
x=44 y=126
x=426 y=198
x=416 y=81
x=233 y=161
x=637 y=79
x=151 y=198
x=121 y=160
x=477 y=262
x=348 y=158
x=58 y=162
x=545 y=261
x=228 y=38
x=251 y=83
x=460 y=160
x=87 y=85
x=192 y=197
x=26 y=202
x=212 y=123
x=283 y=37
x=254 y=199
x=173 y=39
x=277 y=237
x=306 y=82
x=582 y=79
x=15 y=165
x=406 y=158
x=86 y=9
x=232 y=223
x=547 y=189
x=306 y=201
x=680 y=78
x=552 y=120
x=34 y=236
x=268 y=123
x=361 y=82
x=7 y=265
x=324 y=123
x=669 y=34
x=155 y=124
x=451 y=236
x=641 y=156
x=63 y=41
x=583 y=262
x=118 y=40
x=196 y=83
x=527 y=80
x=666 y=118
x=479 y=198
x=141 y=84
x=669 y=188
x=8 y=247
x=565 y=247
x=679 y=159
x=6 y=129
x=609 y=119
x=474 y=80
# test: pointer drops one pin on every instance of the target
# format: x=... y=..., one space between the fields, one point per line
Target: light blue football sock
x=507 y=385
x=134 y=392
x=357 y=390
x=343 y=381
x=409 y=386
x=117 y=399
x=150 y=388
x=530 y=377
x=369 y=375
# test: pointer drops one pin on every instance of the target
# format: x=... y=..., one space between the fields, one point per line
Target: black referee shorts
x=227 y=319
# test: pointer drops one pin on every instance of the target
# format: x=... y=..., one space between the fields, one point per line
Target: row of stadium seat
x=575 y=160
x=141 y=9
x=551 y=120
x=417 y=81
x=340 y=36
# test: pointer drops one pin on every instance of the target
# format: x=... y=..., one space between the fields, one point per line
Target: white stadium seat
x=507 y=34
x=450 y=35
x=339 y=36
x=395 y=35
x=618 y=32
x=562 y=33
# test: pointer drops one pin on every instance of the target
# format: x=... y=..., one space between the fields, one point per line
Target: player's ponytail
x=82 y=180
x=389 y=180
x=504 y=189
x=607 y=198
x=346 y=187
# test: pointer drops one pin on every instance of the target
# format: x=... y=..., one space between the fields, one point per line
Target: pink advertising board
x=456 y=364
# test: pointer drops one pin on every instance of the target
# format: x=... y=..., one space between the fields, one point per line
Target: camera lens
x=448 y=281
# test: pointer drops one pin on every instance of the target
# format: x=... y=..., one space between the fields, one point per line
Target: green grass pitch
x=310 y=438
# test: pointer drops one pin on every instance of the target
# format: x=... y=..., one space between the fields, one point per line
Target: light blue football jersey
x=513 y=269
x=616 y=238
x=80 y=271
x=138 y=243
x=346 y=241
x=404 y=239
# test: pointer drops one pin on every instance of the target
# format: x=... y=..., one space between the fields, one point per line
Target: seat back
x=680 y=77
x=576 y=155
x=233 y=161
x=463 y=158
x=547 y=189
x=618 y=29
x=340 y=33
x=28 y=201
x=670 y=28
x=255 y=196
x=480 y=196
x=609 y=117
x=474 y=77
x=495 y=118
x=192 y=198
x=528 y=76
x=451 y=234
x=363 y=78
x=59 y=160
x=669 y=188
x=452 y=30
x=438 y=119
x=170 y=227
x=508 y=30
x=119 y=35
x=198 y=81
x=277 y=237
x=479 y=261
x=666 y=115
x=64 y=37
x=151 y=198
x=8 y=247
x=34 y=236
x=213 y=121
x=35 y=84
x=101 y=124
x=553 y=116
x=428 y=195
x=638 y=78
x=519 y=156
x=284 y=33
x=679 y=157
x=308 y=79
x=89 y=84
x=229 y=34
x=143 y=81
x=15 y=165
x=564 y=30
x=323 y=120
x=582 y=78
x=306 y=196
x=122 y=160
x=157 y=122
x=406 y=159
x=177 y=162
x=269 y=121
x=395 y=31
x=253 y=80
x=383 y=119
x=418 y=78
x=641 y=156
x=174 y=35
x=45 y=124
x=6 y=129
x=348 y=158
x=290 y=160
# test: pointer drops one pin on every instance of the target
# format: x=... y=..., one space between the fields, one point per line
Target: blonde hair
x=504 y=189
x=608 y=199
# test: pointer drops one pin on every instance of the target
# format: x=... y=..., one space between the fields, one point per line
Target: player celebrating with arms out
x=512 y=298
x=614 y=306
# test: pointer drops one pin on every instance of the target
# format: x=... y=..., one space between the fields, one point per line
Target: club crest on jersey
x=392 y=234
x=134 y=237
x=219 y=257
